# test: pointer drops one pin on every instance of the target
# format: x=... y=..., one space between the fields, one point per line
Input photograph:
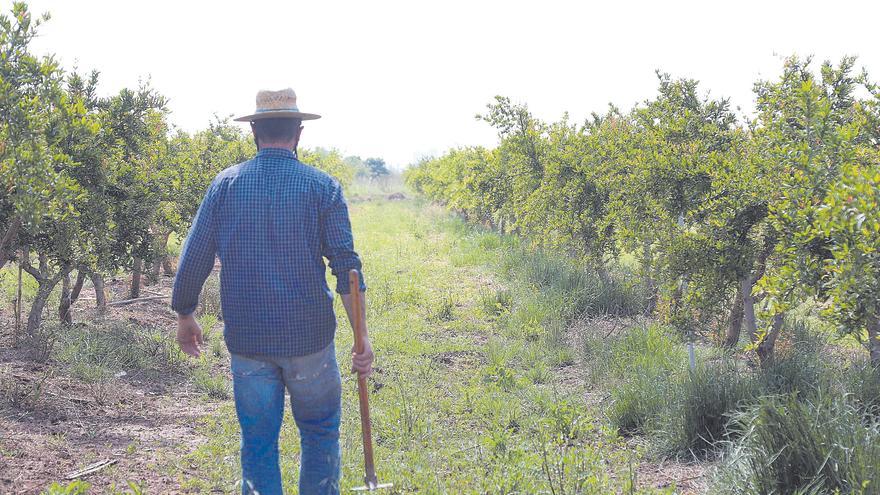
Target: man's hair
x=274 y=130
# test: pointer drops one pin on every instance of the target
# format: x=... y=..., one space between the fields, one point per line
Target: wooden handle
x=359 y=326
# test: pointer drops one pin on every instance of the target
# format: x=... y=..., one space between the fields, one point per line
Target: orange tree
x=29 y=88
x=812 y=125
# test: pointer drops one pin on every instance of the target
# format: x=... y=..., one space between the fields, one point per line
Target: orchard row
x=735 y=222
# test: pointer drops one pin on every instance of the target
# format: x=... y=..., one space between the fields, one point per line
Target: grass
x=116 y=346
x=793 y=446
x=465 y=398
x=806 y=424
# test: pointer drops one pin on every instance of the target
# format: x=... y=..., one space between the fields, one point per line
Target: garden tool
x=370 y=480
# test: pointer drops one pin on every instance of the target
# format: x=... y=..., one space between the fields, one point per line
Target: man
x=272 y=220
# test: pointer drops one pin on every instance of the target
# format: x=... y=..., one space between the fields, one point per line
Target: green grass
x=101 y=348
x=465 y=398
x=792 y=446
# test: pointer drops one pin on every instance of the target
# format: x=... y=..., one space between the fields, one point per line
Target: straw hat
x=277 y=105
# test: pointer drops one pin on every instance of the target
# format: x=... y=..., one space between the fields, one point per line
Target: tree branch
x=25 y=263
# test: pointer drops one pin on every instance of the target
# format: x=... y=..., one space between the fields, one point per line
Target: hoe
x=370 y=480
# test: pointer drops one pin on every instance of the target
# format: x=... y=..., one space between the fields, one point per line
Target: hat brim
x=278 y=115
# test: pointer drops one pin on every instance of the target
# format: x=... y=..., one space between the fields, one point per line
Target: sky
x=404 y=79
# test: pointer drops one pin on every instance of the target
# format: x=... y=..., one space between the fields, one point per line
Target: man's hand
x=189 y=335
x=362 y=363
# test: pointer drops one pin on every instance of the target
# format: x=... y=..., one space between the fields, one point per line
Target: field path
x=466 y=397
x=476 y=388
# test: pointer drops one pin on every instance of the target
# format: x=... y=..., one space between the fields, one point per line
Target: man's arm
x=337 y=245
x=196 y=263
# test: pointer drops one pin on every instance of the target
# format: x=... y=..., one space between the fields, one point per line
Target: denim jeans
x=315 y=397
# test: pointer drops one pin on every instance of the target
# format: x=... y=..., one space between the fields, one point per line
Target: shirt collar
x=276 y=152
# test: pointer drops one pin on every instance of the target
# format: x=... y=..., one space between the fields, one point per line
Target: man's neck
x=281 y=146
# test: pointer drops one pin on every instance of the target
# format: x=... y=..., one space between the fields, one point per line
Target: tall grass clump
x=794 y=446
x=111 y=346
x=642 y=365
x=577 y=289
x=799 y=367
x=861 y=381
x=638 y=401
x=704 y=401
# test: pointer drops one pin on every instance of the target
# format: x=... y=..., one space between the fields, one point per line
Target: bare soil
x=52 y=425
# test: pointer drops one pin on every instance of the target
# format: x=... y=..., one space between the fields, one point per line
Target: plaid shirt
x=271 y=220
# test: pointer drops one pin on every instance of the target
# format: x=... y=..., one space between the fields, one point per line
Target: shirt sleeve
x=337 y=242
x=196 y=257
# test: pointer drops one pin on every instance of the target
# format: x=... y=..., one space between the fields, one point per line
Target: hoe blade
x=372 y=486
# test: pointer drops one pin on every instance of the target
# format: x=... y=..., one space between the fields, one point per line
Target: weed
x=213 y=385
x=862 y=383
x=538 y=374
x=25 y=395
x=41 y=342
x=105 y=347
x=495 y=302
x=444 y=308
x=648 y=349
x=72 y=488
x=207 y=321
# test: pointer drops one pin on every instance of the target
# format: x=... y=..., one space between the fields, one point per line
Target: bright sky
x=404 y=79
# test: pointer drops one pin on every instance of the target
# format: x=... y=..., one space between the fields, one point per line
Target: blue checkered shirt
x=271 y=220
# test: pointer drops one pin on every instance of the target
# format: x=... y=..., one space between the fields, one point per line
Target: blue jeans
x=315 y=397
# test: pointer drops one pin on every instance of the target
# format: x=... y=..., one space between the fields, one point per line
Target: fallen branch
x=72 y=399
x=136 y=300
x=91 y=468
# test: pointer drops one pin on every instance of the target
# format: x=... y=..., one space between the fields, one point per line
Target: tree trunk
x=7 y=242
x=874 y=340
x=734 y=329
x=604 y=276
x=152 y=270
x=650 y=283
x=77 y=286
x=767 y=346
x=69 y=296
x=35 y=318
x=46 y=285
x=18 y=306
x=100 y=296
x=64 y=301
x=136 y=270
x=167 y=266
x=748 y=302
